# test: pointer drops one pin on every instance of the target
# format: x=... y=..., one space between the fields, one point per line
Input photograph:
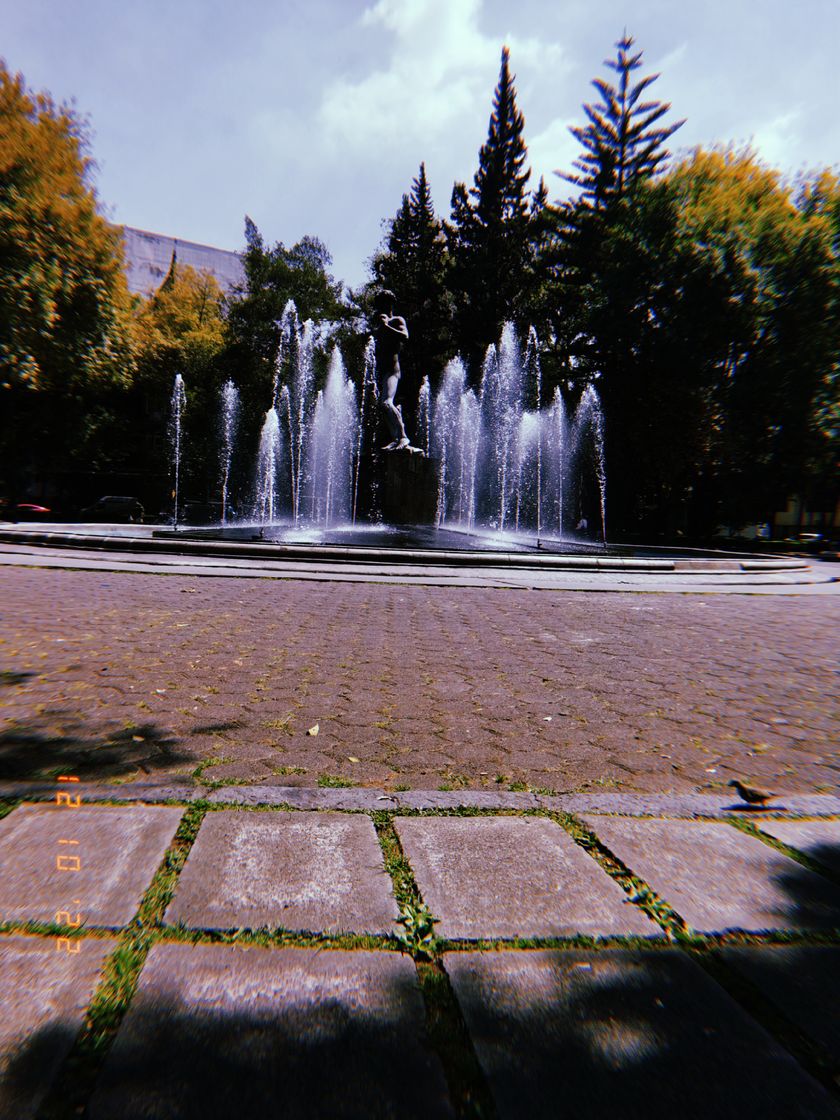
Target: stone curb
x=166 y=542
x=682 y=806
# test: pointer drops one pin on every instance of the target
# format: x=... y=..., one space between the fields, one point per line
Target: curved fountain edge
x=147 y=539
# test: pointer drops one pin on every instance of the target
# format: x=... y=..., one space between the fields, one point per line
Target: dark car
x=113 y=508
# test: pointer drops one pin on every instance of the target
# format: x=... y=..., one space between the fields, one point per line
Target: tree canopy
x=702 y=297
x=64 y=303
x=490 y=227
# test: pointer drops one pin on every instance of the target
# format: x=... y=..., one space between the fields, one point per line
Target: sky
x=312 y=116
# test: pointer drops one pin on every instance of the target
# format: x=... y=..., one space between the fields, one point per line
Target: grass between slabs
x=751 y=829
x=71 y=1089
x=7 y=805
x=444 y=1021
x=673 y=924
x=810 y=1054
x=445 y=1026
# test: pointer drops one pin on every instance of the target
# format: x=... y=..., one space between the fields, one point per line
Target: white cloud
x=554 y=149
x=670 y=61
x=433 y=80
x=778 y=139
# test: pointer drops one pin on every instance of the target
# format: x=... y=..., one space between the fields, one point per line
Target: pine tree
x=606 y=261
x=622 y=145
x=490 y=227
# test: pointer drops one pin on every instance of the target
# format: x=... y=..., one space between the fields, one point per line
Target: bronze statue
x=389 y=332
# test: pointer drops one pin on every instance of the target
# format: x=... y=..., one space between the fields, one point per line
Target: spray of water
x=334 y=434
x=367 y=401
x=270 y=453
x=176 y=416
x=423 y=415
x=230 y=417
x=503 y=460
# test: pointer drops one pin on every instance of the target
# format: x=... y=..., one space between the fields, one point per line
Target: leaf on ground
x=313 y=730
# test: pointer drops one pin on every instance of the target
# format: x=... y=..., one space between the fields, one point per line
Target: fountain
x=230 y=416
x=506 y=467
x=336 y=428
x=176 y=417
x=506 y=471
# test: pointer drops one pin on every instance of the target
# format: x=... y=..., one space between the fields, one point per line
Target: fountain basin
x=395 y=546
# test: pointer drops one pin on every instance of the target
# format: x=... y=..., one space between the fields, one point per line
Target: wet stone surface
x=513 y=877
x=216 y=1032
x=633 y=1034
x=301 y=871
x=43 y=993
x=718 y=878
x=95 y=860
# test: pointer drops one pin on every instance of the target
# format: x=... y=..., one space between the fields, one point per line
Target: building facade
x=148 y=257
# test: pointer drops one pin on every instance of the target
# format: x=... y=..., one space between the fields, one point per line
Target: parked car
x=113 y=508
x=23 y=511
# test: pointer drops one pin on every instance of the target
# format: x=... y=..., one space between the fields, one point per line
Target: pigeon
x=751 y=794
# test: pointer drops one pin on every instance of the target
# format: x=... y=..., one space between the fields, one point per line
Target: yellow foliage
x=182 y=320
x=729 y=192
x=63 y=294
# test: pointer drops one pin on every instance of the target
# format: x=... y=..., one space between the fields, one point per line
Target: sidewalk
x=260 y=952
x=121 y=676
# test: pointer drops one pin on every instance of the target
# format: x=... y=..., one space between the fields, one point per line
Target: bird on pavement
x=751 y=794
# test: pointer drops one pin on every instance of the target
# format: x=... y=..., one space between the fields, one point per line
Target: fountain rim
x=148 y=539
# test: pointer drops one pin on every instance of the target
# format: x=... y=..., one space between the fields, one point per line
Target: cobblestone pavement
x=117 y=676
x=217 y=961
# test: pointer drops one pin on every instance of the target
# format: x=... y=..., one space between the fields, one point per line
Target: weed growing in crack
x=418 y=935
x=334 y=781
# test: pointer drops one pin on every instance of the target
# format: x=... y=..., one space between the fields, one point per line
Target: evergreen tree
x=610 y=280
x=490 y=228
x=623 y=142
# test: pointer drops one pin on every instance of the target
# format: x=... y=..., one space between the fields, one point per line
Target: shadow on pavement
x=813 y=903
x=34 y=749
x=620 y=1033
x=307 y=1050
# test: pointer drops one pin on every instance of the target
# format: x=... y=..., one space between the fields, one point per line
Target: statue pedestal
x=408 y=485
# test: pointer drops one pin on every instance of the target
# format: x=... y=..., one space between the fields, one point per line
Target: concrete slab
x=688 y=805
x=220 y=1031
x=303 y=871
x=513 y=877
x=43 y=993
x=95 y=860
x=718 y=878
x=803 y=981
x=818 y=839
x=622 y=1033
